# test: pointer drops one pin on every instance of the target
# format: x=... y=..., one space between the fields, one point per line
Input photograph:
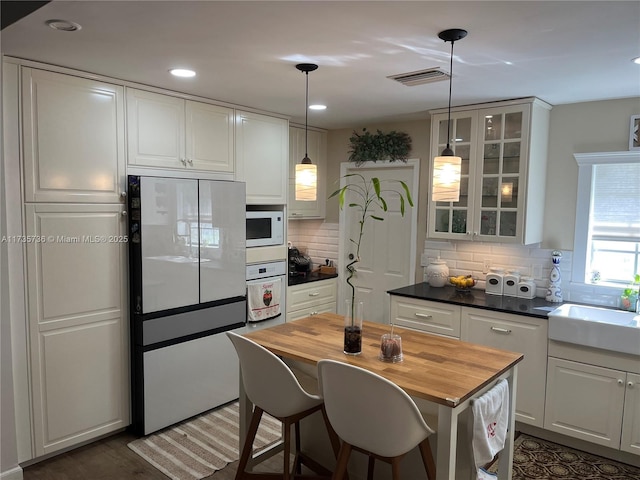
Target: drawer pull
x=423 y=315
x=314 y=294
x=504 y=331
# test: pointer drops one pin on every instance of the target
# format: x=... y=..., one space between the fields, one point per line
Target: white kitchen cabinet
x=593 y=403
x=73 y=138
x=426 y=316
x=317 y=150
x=504 y=155
x=77 y=321
x=262 y=157
x=516 y=333
x=170 y=132
x=311 y=298
x=630 y=441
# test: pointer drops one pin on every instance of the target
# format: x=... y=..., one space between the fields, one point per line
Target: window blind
x=615 y=202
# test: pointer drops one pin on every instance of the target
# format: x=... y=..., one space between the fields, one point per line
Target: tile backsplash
x=529 y=260
x=319 y=240
x=316 y=238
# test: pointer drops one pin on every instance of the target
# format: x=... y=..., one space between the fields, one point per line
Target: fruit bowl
x=463 y=283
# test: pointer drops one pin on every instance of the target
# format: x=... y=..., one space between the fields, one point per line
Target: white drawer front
x=310 y=294
x=432 y=317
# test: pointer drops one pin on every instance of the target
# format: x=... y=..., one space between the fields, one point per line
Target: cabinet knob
x=620 y=381
x=184 y=161
x=190 y=161
x=630 y=384
x=423 y=315
x=124 y=213
x=504 y=331
x=313 y=313
x=123 y=195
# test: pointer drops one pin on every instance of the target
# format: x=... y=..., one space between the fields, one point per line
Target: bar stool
x=273 y=388
x=374 y=416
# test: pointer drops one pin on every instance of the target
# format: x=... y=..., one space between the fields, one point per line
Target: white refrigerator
x=187 y=288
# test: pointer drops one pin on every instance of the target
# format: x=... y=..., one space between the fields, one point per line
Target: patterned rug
x=198 y=447
x=535 y=459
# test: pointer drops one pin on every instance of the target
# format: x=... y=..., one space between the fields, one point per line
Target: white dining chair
x=372 y=415
x=273 y=388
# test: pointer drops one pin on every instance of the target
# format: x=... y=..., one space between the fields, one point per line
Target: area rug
x=536 y=459
x=198 y=447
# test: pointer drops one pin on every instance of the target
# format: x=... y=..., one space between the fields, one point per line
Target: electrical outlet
x=486 y=266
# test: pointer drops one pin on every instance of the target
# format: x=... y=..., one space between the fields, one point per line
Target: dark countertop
x=535 y=307
x=310 y=277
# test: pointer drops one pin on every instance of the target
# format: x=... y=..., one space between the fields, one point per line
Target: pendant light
x=306 y=172
x=446 y=167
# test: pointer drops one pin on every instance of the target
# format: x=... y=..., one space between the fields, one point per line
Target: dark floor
x=111 y=459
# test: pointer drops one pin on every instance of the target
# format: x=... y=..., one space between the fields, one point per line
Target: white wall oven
x=265 y=228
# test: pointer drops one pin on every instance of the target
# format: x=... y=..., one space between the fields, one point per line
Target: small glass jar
x=437 y=273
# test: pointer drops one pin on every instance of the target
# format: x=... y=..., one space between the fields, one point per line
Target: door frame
x=350 y=167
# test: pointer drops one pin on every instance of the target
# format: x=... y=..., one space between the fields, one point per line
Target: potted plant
x=367 y=147
x=369 y=201
x=629 y=296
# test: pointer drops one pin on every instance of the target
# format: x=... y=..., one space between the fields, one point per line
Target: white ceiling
x=245 y=52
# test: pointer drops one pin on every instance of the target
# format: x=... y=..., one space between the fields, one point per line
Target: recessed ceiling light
x=63 y=25
x=317 y=107
x=182 y=72
x=636 y=60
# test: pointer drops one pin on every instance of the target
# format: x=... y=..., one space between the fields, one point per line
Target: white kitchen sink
x=597 y=327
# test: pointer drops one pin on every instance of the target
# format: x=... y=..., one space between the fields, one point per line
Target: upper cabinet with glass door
x=504 y=155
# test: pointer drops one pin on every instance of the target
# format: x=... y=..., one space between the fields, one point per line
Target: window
x=607 y=236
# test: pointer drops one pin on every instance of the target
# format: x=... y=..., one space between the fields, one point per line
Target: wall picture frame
x=634 y=133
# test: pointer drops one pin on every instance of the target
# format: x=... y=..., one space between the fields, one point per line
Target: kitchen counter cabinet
x=516 y=333
x=262 y=157
x=171 y=132
x=593 y=395
x=504 y=155
x=312 y=298
x=426 y=316
x=317 y=143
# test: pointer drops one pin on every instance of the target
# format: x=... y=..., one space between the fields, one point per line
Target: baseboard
x=13 y=474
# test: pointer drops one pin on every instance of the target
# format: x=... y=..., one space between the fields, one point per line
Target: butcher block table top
x=438 y=369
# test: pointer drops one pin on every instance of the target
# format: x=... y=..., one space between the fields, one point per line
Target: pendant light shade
x=306 y=172
x=447 y=167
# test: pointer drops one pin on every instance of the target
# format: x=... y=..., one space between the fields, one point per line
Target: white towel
x=264 y=300
x=490 y=420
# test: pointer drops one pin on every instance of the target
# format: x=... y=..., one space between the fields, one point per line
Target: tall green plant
x=367 y=196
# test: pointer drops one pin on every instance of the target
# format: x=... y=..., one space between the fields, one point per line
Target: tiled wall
x=529 y=260
x=315 y=238
x=320 y=241
x=470 y=258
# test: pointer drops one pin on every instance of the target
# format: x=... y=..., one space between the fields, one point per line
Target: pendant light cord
x=306 y=118
x=450 y=82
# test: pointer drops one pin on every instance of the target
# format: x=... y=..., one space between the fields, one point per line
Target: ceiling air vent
x=421 y=76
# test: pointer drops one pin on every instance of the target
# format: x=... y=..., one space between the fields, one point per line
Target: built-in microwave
x=265 y=228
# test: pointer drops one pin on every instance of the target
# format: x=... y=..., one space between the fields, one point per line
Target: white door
x=262 y=157
x=77 y=323
x=631 y=416
x=73 y=139
x=387 y=248
x=209 y=137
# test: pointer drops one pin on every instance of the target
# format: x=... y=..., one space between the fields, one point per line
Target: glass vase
x=353 y=327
